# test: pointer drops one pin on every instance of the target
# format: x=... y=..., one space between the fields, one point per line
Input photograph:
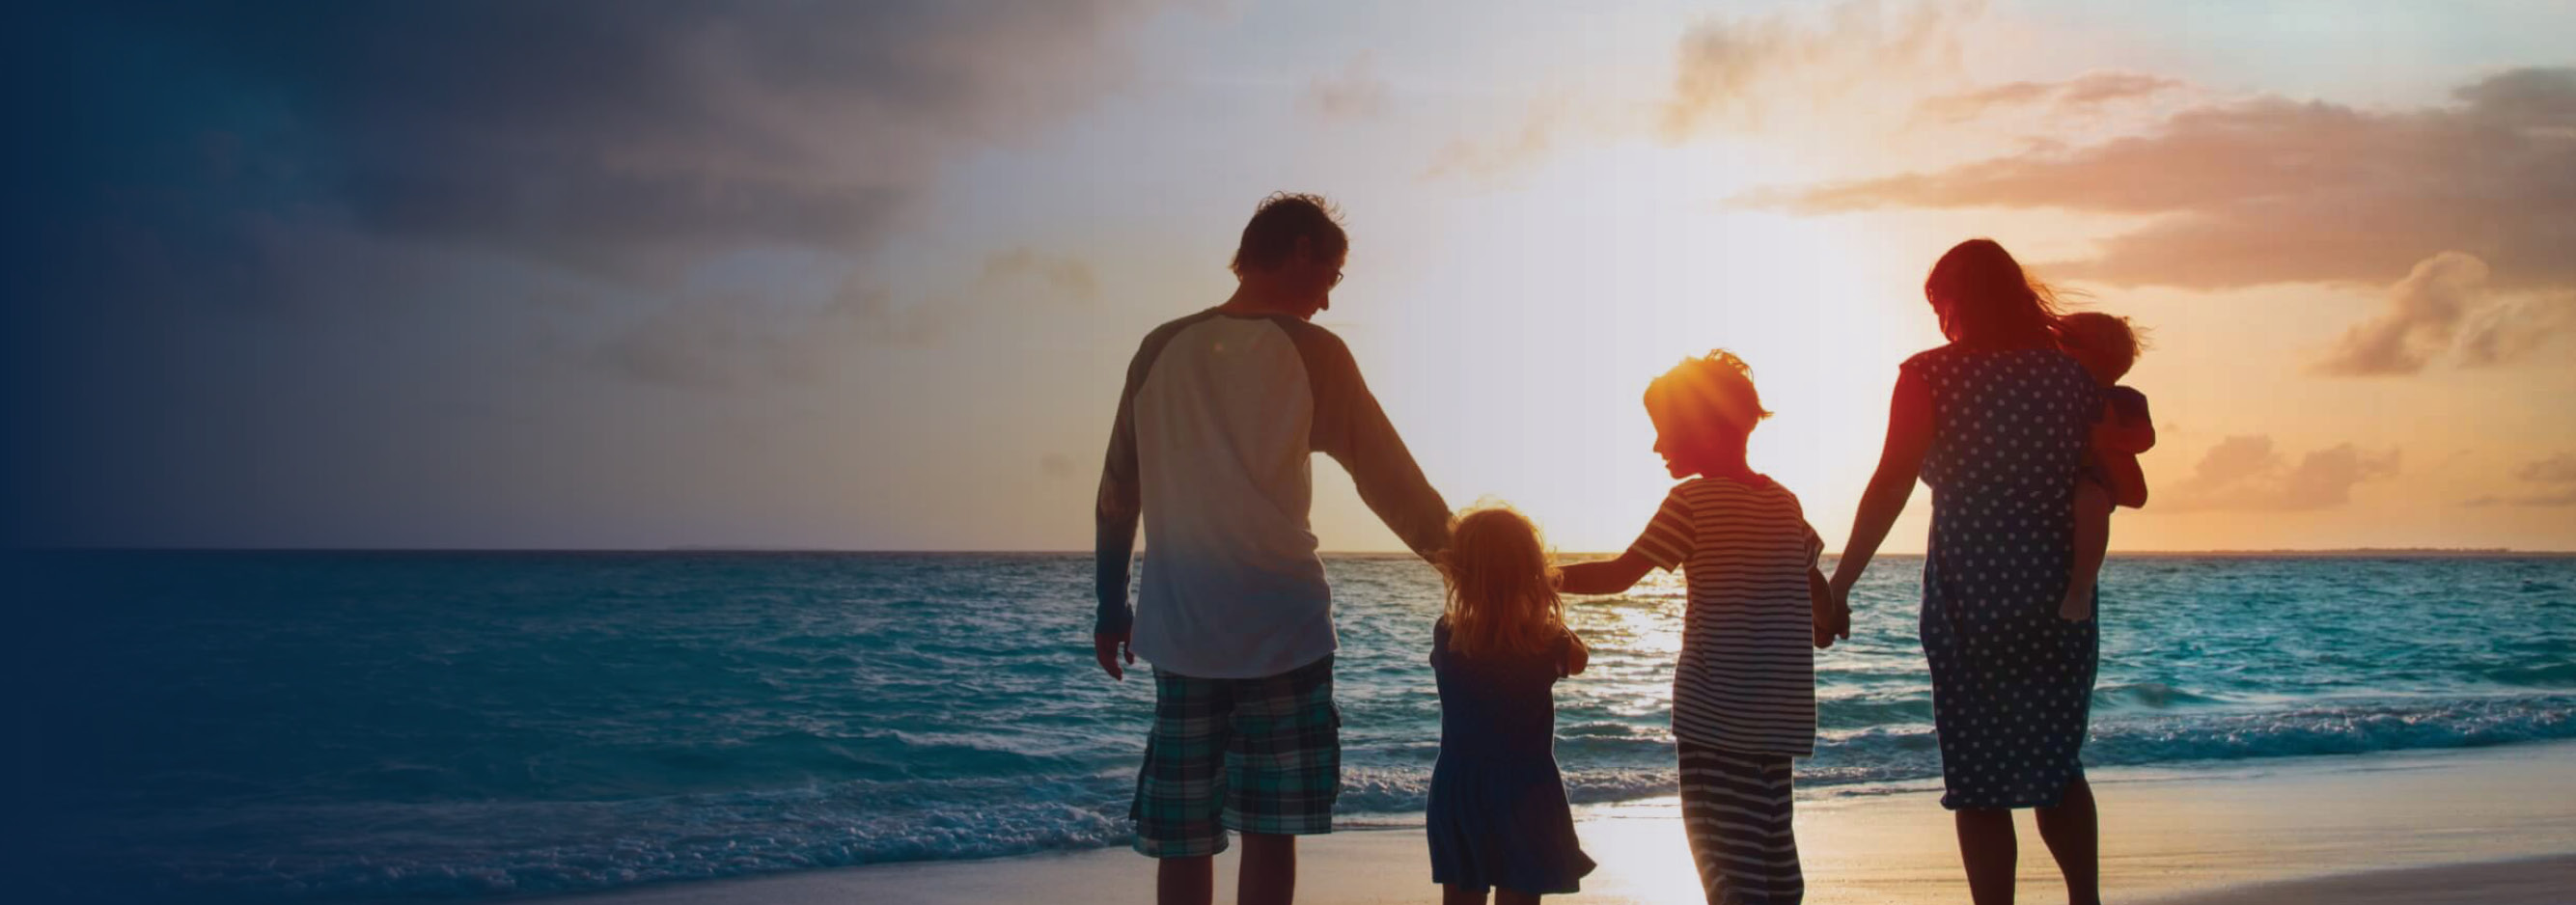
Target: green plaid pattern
x=1251 y=755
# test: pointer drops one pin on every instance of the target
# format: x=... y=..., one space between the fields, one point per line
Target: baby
x=2107 y=347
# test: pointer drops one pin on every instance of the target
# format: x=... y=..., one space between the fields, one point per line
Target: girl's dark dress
x=1498 y=813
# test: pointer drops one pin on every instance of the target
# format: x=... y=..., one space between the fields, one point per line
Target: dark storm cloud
x=602 y=134
x=253 y=245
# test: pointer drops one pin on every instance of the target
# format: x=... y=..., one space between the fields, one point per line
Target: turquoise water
x=350 y=727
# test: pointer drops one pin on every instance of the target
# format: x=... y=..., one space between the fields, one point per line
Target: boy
x=1744 y=695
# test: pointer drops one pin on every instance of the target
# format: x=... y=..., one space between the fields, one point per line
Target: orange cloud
x=2273 y=190
x=2556 y=476
x=1738 y=73
x=2086 y=91
x=2245 y=473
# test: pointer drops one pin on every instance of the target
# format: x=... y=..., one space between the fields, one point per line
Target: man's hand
x=1106 y=646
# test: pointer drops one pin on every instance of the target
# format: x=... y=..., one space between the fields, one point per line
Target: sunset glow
x=825 y=312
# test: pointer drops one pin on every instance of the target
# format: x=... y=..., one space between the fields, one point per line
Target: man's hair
x=1283 y=218
x=1710 y=397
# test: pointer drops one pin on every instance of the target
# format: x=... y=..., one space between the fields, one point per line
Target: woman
x=1995 y=423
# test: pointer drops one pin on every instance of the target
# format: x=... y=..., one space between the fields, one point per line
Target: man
x=1220 y=413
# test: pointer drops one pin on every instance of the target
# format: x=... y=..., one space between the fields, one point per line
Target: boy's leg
x=1788 y=881
x=1735 y=808
x=1180 y=791
x=1283 y=770
x=2092 y=544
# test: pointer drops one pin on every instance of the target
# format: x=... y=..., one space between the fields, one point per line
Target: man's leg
x=1269 y=870
x=1185 y=881
x=1283 y=769
x=1181 y=789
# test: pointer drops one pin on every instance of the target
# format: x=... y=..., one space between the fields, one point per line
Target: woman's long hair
x=1984 y=299
x=1502 y=596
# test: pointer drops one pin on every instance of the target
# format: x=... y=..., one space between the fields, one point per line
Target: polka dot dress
x=2012 y=684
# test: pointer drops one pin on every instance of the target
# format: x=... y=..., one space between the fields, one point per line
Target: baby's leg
x=2092 y=543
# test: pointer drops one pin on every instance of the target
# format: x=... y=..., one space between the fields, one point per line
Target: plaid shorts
x=1251 y=755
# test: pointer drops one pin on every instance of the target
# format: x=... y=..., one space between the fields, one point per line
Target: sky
x=615 y=275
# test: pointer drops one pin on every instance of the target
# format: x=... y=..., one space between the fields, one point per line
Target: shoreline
x=2478 y=825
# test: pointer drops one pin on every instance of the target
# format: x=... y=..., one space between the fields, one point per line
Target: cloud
x=1502 y=158
x=1738 y=74
x=2245 y=473
x=2271 y=190
x=1067 y=277
x=2425 y=311
x=2558 y=469
x=1056 y=466
x=2556 y=476
x=1355 y=93
x=2092 y=89
x=2444 y=309
x=614 y=138
x=734 y=340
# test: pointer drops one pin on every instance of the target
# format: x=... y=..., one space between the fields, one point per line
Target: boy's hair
x=1283 y=218
x=1501 y=596
x=2105 y=341
x=1711 y=396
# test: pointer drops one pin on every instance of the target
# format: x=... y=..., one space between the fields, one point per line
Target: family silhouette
x=2017 y=423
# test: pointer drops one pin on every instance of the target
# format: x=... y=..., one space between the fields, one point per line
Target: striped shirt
x=1747 y=678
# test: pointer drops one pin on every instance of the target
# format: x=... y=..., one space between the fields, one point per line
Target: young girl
x=1744 y=694
x=1498 y=816
x=2106 y=346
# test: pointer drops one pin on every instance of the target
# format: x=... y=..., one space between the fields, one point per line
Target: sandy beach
x=2484 y=825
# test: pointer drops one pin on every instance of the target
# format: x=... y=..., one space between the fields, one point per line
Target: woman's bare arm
x=1909 y=435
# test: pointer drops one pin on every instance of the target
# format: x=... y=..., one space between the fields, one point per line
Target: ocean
x=352 y=727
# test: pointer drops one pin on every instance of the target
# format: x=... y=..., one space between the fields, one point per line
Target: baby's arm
x=1608 y=576
x=2126 y=427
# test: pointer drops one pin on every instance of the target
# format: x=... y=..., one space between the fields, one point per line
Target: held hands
x=1831 y=608
x=1832 y=621
x=1106 y=646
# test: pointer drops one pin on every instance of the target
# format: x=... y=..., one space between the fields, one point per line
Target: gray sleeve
x=1350 y=427
x=1120 y=504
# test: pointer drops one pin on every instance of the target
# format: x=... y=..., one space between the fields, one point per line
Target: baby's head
x=2104 y=344
x=1502 y=592
x=1704 y=410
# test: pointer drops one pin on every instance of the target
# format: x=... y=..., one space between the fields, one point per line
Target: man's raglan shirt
x=1211 y=448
